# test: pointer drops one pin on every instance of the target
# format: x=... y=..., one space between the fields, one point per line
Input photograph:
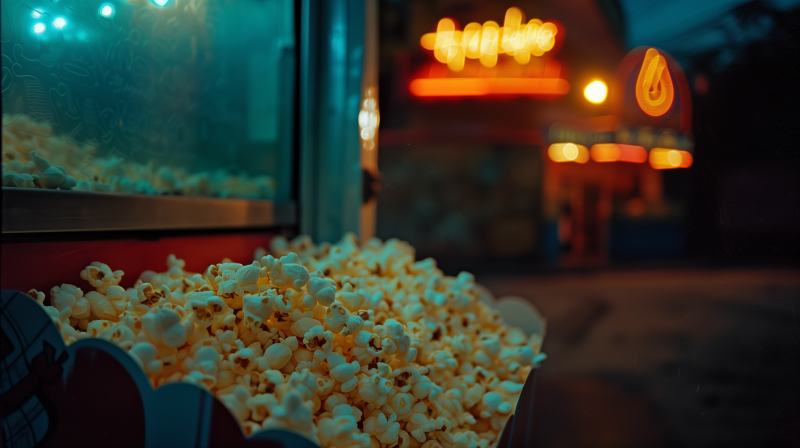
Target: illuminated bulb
x=36 y=14
x=665 y=158
x=161 y=2
x=39 y=28
x=59 y=23
x=596 y=92
x=570 y=151
x=107 y=11
x=674 y=158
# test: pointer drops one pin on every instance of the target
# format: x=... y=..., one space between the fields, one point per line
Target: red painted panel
x=44 y=265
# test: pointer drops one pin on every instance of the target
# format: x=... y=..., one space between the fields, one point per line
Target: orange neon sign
x=485 y=42
x=488 y=86
x=654 y=90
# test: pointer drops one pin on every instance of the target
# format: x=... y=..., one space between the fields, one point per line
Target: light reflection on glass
x=107 y=10
x=368 y=119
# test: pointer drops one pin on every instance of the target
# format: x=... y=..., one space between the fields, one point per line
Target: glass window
x=161 y=97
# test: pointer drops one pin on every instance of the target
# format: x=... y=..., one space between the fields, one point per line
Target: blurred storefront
x=474 y=95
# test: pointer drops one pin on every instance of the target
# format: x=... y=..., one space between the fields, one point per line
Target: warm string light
x=485 y=42
x=660 y=158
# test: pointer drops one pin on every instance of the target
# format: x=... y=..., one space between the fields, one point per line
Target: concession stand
x=182 y=126
x=138 y=129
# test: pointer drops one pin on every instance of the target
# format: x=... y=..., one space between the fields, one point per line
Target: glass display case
x=161 y=98
x=171 y=114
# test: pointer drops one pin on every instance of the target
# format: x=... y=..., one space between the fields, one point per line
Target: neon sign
x=485 y=42
x=654 y=91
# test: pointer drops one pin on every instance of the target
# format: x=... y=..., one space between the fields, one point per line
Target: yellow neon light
x=596 y=92
x=568 y=152
x=485 y=42
x=654 y=91
x=665 y=159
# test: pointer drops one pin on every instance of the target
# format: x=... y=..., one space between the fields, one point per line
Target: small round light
x=674 y=158
x=36 y=14
x=161 y=2
x=39 y=28
x=596 y=92
x=60 y=22
x=106 y=10
x=570 y=151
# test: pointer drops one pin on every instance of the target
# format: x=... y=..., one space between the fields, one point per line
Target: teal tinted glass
x=185 y=97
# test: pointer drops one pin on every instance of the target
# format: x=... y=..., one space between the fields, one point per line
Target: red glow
x=632 y=153
x=454 y=87
x=612 y=152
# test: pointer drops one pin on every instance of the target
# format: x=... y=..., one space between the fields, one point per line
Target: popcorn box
x=92 y=393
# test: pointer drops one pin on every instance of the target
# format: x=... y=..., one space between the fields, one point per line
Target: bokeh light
x=39 y=28
x=596 y=92
x=107 y=10
x=665 y=158
x=568 y=152
x=60 y=22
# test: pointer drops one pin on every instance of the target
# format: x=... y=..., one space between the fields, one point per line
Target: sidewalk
x=667 y=357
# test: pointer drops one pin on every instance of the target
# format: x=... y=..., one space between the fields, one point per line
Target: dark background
x=698 y=348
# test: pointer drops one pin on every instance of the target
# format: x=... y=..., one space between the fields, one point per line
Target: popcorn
x=163 y=326
x=286 y=272
x=321 y=290
x=100 y=306
x=336 y=317
x=206 y=308
x=353 y=346
x=385 y=429
x=65 y=296
x=277 y=355
x=101 y=277
x=145 y=354
x=33 y=157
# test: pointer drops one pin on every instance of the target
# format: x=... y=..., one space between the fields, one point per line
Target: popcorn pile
x=350 y=346
x=33 y=158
